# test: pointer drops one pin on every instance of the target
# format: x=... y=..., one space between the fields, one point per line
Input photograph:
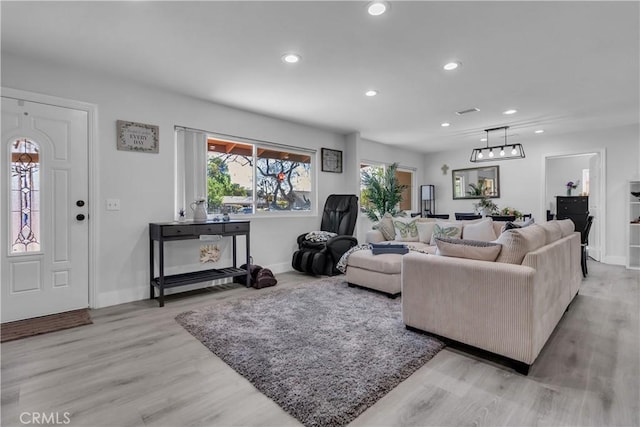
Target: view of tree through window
x=282 y=179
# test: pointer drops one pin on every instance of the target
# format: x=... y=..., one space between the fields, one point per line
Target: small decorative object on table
x=572 y=186
x=181 y=216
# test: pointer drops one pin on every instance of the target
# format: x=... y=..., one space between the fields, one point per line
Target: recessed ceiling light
x=445 y=124
x=291 y=58
x=510 y=112
x=371 y=92
x=377 y=8
x=539 y=131
x=452 y=65
x=483 y=139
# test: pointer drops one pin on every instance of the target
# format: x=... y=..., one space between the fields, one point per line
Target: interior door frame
x=602 y=152
x=92 y=137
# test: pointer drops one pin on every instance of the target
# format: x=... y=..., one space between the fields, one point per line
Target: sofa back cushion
x=566 y=227
x=516 y=243
x=552 y=231
x=425 y=231
x=482 y=230
x=470 y=249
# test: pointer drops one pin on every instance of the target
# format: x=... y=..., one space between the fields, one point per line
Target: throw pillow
x=406 y=229
x=517 y=243
x=446 y=229
x=425 y=231
x=385 y=226
x=319 y=236
x=513 y=225
x=482 y=231
x=469 y=249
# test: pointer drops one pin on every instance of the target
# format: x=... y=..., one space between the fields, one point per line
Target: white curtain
x=191 y=168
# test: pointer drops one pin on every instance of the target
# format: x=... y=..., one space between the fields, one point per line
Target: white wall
x=145 y=183
x=523 y=184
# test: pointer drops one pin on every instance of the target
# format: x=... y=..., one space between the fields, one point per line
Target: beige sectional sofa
x=509 y=306
x=383 y=272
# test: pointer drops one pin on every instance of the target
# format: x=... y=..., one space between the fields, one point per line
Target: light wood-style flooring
x=135 y=366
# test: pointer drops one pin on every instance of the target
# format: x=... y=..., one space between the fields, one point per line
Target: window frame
x=256 y=145
x=412 y=193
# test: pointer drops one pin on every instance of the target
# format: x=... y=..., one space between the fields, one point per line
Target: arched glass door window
x=25 y=196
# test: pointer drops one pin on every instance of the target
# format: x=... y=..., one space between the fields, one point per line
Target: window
x=25 y=196
x=404 y=176
x=243 y=177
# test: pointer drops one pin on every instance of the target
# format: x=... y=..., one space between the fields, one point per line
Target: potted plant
x=511 y=211
x=382 y=192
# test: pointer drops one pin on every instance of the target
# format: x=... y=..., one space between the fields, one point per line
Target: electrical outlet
x=113 y=204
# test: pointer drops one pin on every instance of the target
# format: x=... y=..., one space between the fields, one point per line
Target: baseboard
x=615 y=260
x=281 y=267
x=106 y=299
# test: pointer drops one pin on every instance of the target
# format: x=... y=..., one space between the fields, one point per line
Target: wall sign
x=331 y=160
x=137 y=137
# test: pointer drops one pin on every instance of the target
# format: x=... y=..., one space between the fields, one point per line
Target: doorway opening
x=580 y=174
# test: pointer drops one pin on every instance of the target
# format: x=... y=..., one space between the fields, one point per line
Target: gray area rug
x=324 y=352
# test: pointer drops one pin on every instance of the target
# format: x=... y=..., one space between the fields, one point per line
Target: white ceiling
x=565 y=66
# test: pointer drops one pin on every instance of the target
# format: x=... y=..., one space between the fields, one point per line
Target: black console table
x=162 y=232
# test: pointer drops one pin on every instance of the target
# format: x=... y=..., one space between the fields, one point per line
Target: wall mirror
x=476 y=183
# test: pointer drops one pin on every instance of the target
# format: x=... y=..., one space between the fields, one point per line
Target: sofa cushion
x=446 y=229
x=425 y=231
x=552 y=231
x=482 y=231
x=385 y=226
x=406 y=229
x=470 y=249
x=516 y=243
x=384 y=263
x=566 y=227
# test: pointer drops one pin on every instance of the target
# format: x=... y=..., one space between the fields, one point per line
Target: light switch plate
x=113 y=204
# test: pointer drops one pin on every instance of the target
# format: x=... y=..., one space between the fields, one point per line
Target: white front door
x=44 y=209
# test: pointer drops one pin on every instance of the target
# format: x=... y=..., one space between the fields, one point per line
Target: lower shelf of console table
x=172 y=231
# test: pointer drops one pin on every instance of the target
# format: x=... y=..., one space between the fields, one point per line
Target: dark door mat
x=45 y=324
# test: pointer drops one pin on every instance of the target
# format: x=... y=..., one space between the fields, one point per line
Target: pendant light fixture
x=505 y=151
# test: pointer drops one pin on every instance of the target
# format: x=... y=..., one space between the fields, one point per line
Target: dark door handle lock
x=80 y=217
x=80 y=203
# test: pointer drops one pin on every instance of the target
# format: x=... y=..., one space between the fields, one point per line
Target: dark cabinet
x=575 y=208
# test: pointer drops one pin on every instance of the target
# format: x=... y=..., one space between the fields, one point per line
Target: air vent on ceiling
x=470 y=110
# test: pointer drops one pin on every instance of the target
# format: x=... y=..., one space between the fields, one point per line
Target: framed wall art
x=139 y=137
x=331 y=160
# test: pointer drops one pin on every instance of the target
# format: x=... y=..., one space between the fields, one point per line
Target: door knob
x=80 y=203
x=80 y=217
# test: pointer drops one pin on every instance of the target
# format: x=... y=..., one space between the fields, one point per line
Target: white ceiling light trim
x=445 y=124
x=539 y=131
x=510 y=111
x=450 y=66
x=291 y=58
x=377 y=8
x=371 y=92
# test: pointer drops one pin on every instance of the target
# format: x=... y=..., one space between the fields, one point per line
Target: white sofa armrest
x=374 y=236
